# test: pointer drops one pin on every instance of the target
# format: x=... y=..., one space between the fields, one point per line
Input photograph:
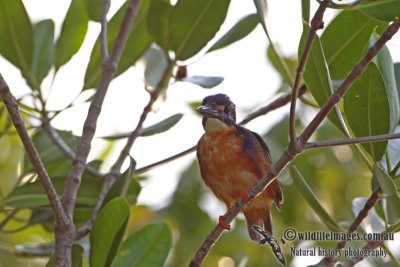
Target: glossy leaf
x=396 y=67
x=390 y=194
x=262 y=11
x=345 y=40
x=162 y=126
x=43 y=53
x=194 y=23
x=147 y=247
x=159 y=22
x=305 y=190
x=316 y=73
x=204 y=81
x=366 y=107
x=384 y=9
x=385 y=64
x=94 y=8
x=73 y=32
x=107 y=232
x=138 y=42
x=16 y=35
x=305 y=10
x=155 y=64
x=125 y=185
x=240 y=30
x=290 y=62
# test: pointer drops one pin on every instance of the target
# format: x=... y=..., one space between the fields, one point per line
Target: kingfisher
x=231 y=159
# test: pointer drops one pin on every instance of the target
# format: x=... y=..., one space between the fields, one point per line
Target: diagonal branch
x=84 y=146
x=316 y=24
x=356 y=259
x=373 y=199
x=294 y=149
x=13 y=110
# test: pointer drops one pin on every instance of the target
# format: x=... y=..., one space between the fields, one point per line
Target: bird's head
x=218 y=107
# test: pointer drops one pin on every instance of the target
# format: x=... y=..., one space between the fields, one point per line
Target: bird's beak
x=207 y=111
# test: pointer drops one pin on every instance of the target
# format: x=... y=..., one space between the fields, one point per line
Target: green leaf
x=94 y=8
x=240 y=30
x=385 y=64
x=194 y=23
x=384 y=9
x=159 y=21
x=366 y=107
x=305 y=10
x=147 y=247
x=309 y=196
x=316 y=73
x=290 y=62
x=204 y=81
x=125 y=185
x=396 y=67
x=390 y=194
x=262 y=11
x=157 y=128
x=107 y=232
x=43 y=53
x=73 y=32
x=155 y=64
x=138 y=42
x=16 y=35
x=345 y=40
x=162 y=126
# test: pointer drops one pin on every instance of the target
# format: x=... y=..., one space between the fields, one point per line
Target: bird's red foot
x=245 y=196
x=223 y=224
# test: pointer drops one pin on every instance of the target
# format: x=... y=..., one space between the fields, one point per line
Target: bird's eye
x=226 y=110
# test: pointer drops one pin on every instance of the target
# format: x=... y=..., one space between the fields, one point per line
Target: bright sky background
x=250 y=81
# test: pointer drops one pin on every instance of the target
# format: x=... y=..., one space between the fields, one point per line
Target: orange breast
x=224 y=166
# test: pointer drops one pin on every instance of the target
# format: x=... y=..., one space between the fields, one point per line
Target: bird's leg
x=222 y=223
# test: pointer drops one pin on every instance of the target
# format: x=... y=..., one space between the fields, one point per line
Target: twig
x=108 y=71
x=104 y=31
x=316 y=24
x=115 y=170
x=353 y=261
x=13 y=110
x=357 y=140
x=277 y=103
x=65 y=148
x=293 y=150
x=373 y=199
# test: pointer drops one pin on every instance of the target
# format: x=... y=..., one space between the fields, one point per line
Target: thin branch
x=350 y=141
x=316 y=24
x=277 y=103
x=84 y=146
x=115 y=170
x=104 y=31
x=329 y=261
x=294 y=149
x=356 y=259
x=13 y=110
x=64 y=147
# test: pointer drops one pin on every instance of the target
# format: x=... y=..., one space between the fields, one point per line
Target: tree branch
x=13 y=110
x=104 y=31
x=353 y=261
x=316 y=24
x=294 y=149
x=350 y=141
x=329 y=261
x=115 y=170
x=84 y=146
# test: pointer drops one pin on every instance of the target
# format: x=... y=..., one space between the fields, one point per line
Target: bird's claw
x=222 y=223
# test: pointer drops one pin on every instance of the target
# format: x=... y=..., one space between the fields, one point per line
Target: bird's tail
x=260 y=218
